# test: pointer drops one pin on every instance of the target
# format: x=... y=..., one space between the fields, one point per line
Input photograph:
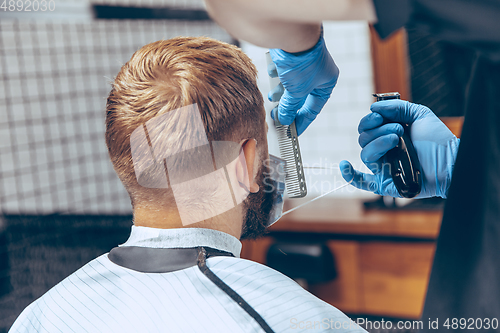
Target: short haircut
x=169 y=74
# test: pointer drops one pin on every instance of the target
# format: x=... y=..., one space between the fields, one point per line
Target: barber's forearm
x=255 y=25
x=292 y=25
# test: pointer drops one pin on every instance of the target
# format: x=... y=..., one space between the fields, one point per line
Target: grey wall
x=54 y=83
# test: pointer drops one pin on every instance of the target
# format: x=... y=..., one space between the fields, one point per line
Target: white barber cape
x=105 y=297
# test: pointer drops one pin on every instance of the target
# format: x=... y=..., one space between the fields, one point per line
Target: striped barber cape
x=104 y=296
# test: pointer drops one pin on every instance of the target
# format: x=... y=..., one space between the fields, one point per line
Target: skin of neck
x=230 y=222
x=150 y=213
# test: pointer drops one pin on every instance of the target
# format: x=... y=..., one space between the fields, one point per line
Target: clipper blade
x=288 y=142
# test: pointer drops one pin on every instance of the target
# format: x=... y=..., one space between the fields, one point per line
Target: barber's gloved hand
x=308 y=78
x=379 y=132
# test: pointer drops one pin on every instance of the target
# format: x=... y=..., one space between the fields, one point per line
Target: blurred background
x=61 y=204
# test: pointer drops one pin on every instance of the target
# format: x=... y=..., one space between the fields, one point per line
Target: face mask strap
x=276 y=160
x=318 y=197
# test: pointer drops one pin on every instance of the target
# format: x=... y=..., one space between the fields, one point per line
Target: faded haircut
x=169 y=74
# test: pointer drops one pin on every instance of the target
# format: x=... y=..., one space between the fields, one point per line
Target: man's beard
x=258 y=207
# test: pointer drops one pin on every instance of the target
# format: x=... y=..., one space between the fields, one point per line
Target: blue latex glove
x=308 y=79
x=434 y=143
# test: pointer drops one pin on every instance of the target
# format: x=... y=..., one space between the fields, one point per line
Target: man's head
x=218 y=82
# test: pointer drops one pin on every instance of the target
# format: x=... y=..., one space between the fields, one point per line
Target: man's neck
x=229 y=222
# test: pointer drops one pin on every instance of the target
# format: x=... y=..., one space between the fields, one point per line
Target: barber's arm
x=291 y=25
x=380 y=130
x=292 y=30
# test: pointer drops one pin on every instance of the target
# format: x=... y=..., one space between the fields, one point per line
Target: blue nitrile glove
x=434 y=143
x=308 y=78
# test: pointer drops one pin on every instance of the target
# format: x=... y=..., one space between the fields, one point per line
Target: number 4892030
x=28 y=5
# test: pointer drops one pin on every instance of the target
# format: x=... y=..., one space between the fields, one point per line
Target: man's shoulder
x=255 y=280
x=282 y=302
x=59 y=301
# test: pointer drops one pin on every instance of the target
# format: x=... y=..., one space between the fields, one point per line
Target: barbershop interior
x=365 y=254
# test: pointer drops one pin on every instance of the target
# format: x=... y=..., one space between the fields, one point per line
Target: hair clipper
x=405 y=166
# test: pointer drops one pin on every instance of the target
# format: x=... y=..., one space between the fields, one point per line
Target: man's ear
x=246 y=167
